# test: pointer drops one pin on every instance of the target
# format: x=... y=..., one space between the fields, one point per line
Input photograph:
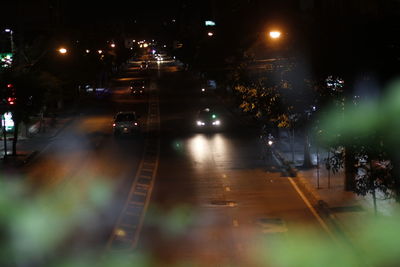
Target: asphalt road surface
x=214 y=202
x=180 y=194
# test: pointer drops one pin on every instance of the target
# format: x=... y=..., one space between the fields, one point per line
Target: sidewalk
x=29 y=145
x=346 y=210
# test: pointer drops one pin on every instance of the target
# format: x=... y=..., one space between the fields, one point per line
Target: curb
x=8 y=139
x=36 y=153
x=19 y=160
x=28 y=158
x=292 y=171
x=321 y=205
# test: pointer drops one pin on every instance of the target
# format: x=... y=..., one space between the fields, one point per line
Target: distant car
x=159 y=58
x=137 y=87
x=207 y=119
x=144 y=65
x=126 y=123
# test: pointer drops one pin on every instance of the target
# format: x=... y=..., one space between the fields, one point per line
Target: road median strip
x=132 y=216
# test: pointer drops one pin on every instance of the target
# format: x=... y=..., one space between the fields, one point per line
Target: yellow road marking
x=312 y=209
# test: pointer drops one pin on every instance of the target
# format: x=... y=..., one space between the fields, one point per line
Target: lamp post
x=62 y=50
x=275 y=34
x=3 y=120
x=11 y=39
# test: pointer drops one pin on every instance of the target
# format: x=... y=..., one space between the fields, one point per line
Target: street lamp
x=275 y=34
x=11 y=39
x=62 y=50
x=112 y=45
x=210 y=34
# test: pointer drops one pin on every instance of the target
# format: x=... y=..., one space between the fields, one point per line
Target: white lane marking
x=311 y=208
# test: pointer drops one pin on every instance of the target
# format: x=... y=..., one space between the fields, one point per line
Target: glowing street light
x=275 y=34
x=112 y=45
x=100 y=51
x=87 y=51
x=210 y=34
x=11 y=32
x=62 y=50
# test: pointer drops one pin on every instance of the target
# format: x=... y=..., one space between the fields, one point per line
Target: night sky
x=119 y=10
x=77 y=13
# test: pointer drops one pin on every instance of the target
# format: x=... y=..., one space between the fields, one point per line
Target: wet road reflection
x=214 y=201
x=207 y=147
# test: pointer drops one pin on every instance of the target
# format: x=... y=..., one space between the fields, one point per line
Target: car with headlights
x=126 y=123
x=144 y=65
x=207 y=119
x=137 y=87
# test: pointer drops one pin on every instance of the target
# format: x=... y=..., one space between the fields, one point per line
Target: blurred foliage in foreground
x=368 y=131
x=366 y=120
x=40 y=230
x=376 y=242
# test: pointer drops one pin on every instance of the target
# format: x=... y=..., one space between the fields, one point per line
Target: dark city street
x=200 y=133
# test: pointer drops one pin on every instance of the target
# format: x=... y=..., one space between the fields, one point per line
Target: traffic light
x=11 y=94
x=11 y=100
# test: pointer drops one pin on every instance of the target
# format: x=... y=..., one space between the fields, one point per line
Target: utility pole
x=11 y=39
x=4 y=137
